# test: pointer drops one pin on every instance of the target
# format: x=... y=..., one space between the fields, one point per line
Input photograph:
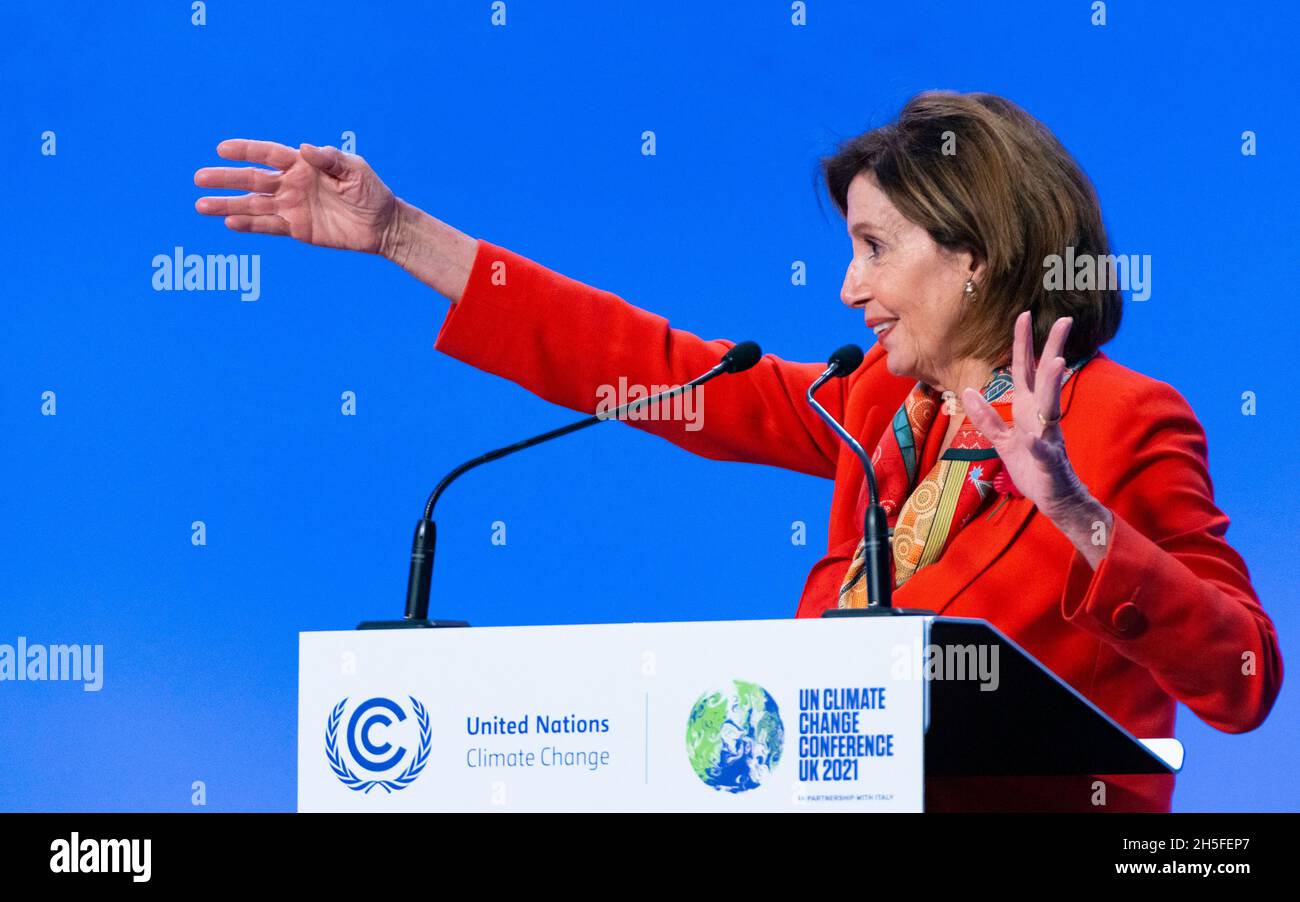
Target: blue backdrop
x=174 y=407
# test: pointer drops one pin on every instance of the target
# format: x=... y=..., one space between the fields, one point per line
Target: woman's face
x=910 y=289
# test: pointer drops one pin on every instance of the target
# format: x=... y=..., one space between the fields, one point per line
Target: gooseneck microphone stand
x=875 y=528
x=739 y=358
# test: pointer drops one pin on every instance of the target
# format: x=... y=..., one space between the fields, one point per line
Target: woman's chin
x=896 y=364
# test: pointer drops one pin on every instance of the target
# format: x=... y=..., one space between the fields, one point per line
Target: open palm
x=319 y=195
x=1032 y=447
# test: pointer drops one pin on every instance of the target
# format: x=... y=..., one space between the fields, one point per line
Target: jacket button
x=1127 y=618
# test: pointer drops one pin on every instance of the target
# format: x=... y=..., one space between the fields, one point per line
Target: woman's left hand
x=1032 y=447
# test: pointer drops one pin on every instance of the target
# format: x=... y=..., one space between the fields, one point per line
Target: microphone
x=846 y=360
x=875 y=527
x=741 y=357
x=738 y=358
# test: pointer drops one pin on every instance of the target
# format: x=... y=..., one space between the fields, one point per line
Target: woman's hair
x=980 y=174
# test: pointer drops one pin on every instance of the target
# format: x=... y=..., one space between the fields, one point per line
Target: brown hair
x=1008 y=192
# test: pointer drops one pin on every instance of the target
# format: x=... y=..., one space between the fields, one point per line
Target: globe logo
x=734 y=737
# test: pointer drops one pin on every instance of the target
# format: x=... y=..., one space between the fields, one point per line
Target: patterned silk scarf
x=926 y=516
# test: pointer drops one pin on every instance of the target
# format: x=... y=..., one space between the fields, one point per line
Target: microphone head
x=742 y=356
x=846 y=360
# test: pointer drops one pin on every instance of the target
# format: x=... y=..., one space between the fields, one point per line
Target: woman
x=1109 y=565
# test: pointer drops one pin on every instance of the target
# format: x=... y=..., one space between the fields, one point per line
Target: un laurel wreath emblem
x=359 y=730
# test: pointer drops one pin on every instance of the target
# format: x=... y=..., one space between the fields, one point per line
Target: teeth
x=881 y=327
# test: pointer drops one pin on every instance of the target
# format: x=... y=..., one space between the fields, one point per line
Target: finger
x=1022 y=355
x=1049 y=398
x=983 y=416
x=245 y=205
x=1053 y=347
x=267 y=153
x=238 y=178
x=267 y=225
x=329 y=160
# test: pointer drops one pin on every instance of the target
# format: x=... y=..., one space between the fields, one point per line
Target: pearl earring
x=970 y=289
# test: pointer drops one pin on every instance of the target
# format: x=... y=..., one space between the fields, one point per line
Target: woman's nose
x=854 y=291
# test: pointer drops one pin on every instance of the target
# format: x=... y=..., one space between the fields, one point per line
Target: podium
x=762 y=715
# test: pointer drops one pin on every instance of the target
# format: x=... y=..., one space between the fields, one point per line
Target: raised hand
x=319 y=195
x=1032 y=447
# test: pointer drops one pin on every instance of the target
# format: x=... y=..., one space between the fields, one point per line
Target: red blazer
x=1169 y=615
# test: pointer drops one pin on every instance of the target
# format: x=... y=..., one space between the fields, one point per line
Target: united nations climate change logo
x=376 y=758
x=734 y=737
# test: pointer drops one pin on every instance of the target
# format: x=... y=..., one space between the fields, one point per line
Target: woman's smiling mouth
x=881 y=326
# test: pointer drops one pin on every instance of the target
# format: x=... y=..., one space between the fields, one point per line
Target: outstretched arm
x=565 y=341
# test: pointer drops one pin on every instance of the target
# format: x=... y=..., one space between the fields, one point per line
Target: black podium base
x=410 y=624
x=877 y=612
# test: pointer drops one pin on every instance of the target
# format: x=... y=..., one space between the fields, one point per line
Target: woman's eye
x=869 y=245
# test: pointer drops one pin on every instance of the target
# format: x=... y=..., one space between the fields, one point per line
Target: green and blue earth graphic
x=734 y=737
